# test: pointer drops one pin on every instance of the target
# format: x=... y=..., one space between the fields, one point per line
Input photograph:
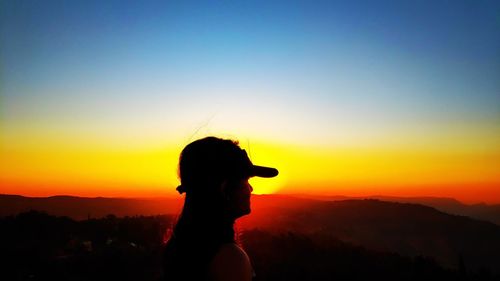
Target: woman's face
x=238 y=193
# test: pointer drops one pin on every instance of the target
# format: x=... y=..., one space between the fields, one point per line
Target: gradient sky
x=97 y=98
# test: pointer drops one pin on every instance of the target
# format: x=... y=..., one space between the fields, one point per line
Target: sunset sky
x=356 y=98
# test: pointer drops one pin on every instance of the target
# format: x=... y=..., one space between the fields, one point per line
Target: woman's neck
x=205 y=221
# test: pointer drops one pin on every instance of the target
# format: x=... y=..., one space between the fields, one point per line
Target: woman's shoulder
x=232 y=250
x=231 y=262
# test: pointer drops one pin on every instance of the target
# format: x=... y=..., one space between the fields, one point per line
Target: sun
x=266 y=185
x=270 y=155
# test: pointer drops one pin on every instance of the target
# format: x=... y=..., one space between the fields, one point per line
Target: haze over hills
x=448 y=205
x=80 y=208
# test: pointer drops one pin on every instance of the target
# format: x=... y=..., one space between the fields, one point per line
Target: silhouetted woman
x=214 y=175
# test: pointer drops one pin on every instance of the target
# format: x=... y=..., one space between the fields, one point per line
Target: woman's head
x=214 y=176
x=218 y=169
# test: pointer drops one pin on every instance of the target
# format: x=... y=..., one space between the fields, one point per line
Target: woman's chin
x=242 y=212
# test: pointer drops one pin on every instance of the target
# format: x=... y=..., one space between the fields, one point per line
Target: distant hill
x=448 y=205
x=82 y=207
x=408 y=229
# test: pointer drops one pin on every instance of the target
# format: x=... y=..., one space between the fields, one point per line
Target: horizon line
x=296 y=195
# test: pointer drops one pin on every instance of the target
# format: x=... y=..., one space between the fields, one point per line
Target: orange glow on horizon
x=465 y=193
x=151 y=171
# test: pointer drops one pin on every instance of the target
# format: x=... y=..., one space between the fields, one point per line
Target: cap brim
x=263 y=172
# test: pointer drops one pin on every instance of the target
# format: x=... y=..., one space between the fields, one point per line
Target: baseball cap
x=256 y=170
x=210 y=160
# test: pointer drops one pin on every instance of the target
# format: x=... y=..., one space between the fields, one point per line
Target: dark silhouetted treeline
x=37 y=246
x=291 y=256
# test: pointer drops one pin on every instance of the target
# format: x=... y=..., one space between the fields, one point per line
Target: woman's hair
x=204 y=224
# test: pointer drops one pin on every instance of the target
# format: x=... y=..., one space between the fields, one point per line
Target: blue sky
x=358 y=64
